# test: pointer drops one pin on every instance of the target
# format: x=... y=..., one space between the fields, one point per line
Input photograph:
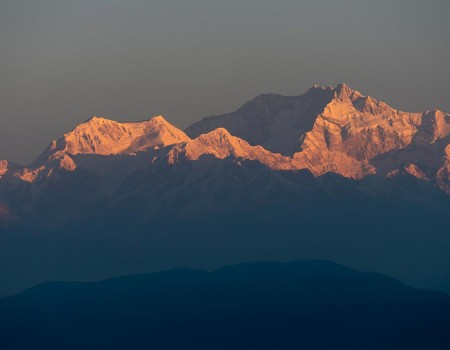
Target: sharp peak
x=219 y=132
x=343 y=86
x=343 y=91
x=158 y=119
x=95 y=118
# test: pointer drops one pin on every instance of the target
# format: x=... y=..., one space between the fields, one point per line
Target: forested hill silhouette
x=307 y=304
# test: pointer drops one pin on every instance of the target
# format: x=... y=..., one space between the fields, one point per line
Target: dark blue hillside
x=307 y=304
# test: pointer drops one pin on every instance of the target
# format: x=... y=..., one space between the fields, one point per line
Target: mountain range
x=328 y=174
x=325 y=130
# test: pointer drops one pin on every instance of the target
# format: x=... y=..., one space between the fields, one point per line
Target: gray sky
x=62 y=61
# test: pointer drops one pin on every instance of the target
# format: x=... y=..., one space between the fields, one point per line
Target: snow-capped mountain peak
x=330 y=129
x=106 y=137
x=101 y=136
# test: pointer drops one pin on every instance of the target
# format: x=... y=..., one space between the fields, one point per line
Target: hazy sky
x=62 y=61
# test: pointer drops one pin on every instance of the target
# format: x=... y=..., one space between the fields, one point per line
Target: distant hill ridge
x=312 y=304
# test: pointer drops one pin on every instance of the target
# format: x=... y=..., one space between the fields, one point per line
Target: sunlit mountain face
x=330 y=174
